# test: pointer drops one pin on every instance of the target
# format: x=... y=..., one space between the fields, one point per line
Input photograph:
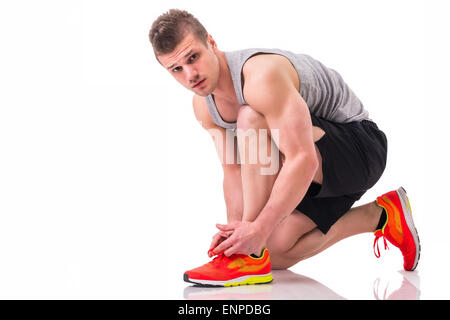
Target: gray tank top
x=322 y=88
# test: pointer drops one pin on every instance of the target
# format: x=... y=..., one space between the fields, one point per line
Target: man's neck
x=225 y=88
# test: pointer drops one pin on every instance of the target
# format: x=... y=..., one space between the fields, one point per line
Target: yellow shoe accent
x=251 y=280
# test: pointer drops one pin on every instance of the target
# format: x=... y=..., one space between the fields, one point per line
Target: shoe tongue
x=257 y=256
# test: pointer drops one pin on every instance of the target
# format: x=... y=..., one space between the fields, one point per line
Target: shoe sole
x=401 y=192
x=245 y=280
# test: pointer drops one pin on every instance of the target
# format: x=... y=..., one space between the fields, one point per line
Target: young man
x=325 y=153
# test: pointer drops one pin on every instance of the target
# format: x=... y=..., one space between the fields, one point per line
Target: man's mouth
x=198 y=83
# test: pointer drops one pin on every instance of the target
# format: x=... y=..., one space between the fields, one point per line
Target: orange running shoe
x=238 y=269
x=399 y=227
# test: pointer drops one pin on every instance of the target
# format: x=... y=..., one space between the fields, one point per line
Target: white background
x=109 y=189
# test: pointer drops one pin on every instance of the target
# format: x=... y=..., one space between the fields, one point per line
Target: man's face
x=193 y=65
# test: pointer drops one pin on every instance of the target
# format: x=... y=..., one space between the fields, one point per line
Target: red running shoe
x=235 y=270
x=399 y=227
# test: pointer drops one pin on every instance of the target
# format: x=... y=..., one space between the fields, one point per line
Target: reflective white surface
x=288 y=285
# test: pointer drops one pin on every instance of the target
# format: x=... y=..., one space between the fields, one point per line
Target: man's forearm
x=288 y=190
x=232 y=190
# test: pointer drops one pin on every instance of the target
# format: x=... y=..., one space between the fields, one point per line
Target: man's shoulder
x=268 y=71
x=201 y=111
x=198 y=101
x=266 y=67
x=262 y=63
x=200 y=105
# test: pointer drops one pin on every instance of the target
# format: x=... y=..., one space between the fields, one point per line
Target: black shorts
x=353 y=160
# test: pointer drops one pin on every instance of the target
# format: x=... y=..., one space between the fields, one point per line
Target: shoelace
x=219 y=258
x=378 y=235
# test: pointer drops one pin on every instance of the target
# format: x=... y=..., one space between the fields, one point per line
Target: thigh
x=326 y=211
x=286 y=234
x=353 y=156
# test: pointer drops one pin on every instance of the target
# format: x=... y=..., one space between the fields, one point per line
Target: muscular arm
x=232 y=181
x=272 y=93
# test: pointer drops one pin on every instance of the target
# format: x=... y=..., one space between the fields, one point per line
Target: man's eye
x=193 y=57
x=176 y=69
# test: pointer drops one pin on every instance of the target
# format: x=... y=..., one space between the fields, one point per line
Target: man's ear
x=211 y=41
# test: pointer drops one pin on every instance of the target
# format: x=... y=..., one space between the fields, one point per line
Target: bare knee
x=277 y=263
x=286 y=235
x=275 y=248
x=279 y=243
x=280 y=257
x=282 y=261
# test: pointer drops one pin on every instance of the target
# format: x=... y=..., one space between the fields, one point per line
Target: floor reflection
x=402 y=286
x=288 y=285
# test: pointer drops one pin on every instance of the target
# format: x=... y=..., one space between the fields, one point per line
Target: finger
x=210 y=253
x=218 y=237
x=230 y=251
x=225 y=234
x=224 y=245
x=215 y=241
x=221 y=227
x=226 y=227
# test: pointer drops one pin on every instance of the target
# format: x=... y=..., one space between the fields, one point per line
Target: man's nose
x=192 y=74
